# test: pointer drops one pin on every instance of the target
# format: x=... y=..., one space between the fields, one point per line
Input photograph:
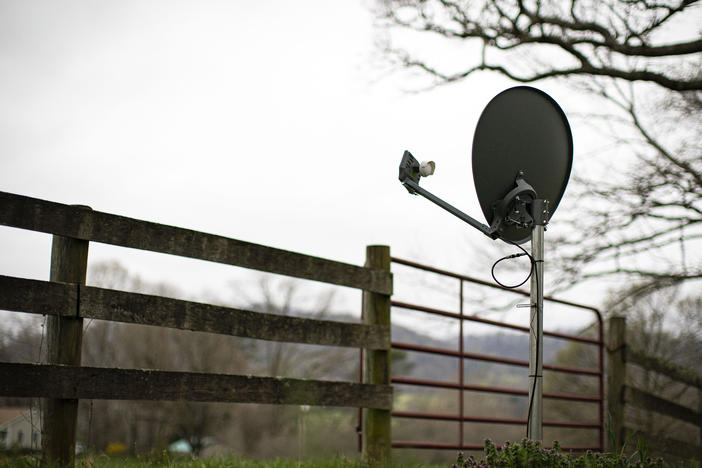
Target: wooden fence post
x=376 y=432
x=616 y=379
x=64 y=339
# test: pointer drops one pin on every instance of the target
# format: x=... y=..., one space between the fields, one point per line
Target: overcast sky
x=273 y=122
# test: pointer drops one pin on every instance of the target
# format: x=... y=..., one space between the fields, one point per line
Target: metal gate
x=461 y=386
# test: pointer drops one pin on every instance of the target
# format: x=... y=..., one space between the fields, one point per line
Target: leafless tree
x=530 y=40
x=253 y=429
x=146 y=426
x=643 y=221
x=646 y=332
x=270 y=424
x=642 y=59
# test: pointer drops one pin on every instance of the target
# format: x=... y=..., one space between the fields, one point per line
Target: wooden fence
x=622 y=395
x=66 y=301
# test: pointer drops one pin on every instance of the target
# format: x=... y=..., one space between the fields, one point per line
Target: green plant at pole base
x=530 y=454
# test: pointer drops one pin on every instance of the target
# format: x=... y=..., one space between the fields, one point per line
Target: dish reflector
x=521 y=130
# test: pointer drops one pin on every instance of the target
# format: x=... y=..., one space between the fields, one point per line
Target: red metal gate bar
x=572 y=370
x=489 y=420
x=480 y=388
x=433 y=446
x=475 y=318
x=429 y=445
x=485 y=357
x=470 y=279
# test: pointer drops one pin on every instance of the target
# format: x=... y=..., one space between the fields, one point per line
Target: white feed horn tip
x=426 y=168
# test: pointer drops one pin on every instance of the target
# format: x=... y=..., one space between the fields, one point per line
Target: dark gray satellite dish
x=521 y=134
x=522 y=156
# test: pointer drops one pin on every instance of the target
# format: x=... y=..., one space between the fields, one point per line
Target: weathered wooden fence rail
x=78 y=222
x=66 y=300
x=621 y=394
x=62 y=299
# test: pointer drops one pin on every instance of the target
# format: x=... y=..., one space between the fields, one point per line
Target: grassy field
x=170 y=462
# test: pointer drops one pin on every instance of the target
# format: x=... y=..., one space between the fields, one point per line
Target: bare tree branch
x=507 y=25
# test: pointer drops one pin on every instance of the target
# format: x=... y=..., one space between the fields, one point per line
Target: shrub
x=530 y=454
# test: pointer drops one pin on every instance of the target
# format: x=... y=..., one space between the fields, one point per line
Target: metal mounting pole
x=536 y=323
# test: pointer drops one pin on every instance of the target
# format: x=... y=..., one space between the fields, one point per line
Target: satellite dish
x=522 y=150
x=522 y=156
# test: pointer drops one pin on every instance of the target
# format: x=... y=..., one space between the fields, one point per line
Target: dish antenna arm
x=518 y=207
x=409 y=176
x=417 y=190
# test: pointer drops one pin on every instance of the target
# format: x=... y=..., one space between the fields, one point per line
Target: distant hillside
x=422 y=365
x=433 y=367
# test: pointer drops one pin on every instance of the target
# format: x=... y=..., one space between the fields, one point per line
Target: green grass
x=165 y=461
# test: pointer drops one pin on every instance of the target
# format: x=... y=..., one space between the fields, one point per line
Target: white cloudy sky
x=268 y=121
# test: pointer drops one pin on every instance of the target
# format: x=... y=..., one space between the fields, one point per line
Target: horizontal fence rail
x=462 y=355
x=80 y=223
x=674 y=446
x=624 y=396
x=55 y=381
x=647 y=401
x=48 y=298
x=670 y=370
